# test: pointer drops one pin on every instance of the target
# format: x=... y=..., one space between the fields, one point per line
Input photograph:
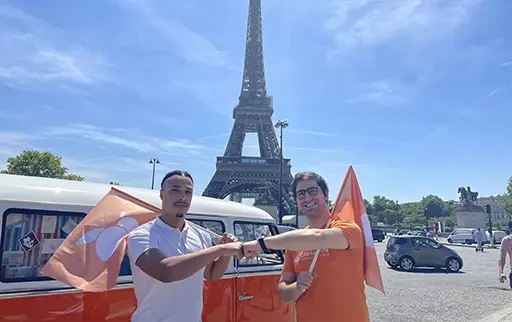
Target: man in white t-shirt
x=170 y=258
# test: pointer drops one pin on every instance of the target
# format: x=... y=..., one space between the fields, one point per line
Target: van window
x=30 y=237
x=247 y=231
x=215 y=226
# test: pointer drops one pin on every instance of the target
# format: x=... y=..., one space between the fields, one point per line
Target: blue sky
x=412 y=93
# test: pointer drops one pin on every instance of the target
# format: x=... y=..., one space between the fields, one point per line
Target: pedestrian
x=170 y=258
x=336 y=291
x=506 y=249
x=479 y=238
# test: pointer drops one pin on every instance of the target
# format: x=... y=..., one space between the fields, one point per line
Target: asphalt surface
x=434 y=295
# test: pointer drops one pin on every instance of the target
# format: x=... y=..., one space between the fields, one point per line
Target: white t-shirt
x=167 y=302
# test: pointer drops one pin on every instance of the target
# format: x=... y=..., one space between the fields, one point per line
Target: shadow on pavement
x=499 y=288
x=427 y=271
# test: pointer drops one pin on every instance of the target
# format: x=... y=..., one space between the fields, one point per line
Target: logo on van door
x=107 y=239
x=29 y=241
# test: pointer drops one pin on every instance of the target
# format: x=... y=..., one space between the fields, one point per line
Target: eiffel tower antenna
x=246 y=176
x=254 y=90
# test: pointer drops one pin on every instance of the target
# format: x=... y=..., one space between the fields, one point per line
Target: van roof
x=59 y=191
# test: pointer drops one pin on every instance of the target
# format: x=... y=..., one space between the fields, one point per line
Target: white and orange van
x=37 y=214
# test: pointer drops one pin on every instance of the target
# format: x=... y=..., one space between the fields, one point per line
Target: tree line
x=41 y=164
x=380 y=209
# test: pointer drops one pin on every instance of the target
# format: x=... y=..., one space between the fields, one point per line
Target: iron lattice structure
x=245 y=176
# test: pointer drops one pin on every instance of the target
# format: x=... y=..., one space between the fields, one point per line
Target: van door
x=218 y=298
x=256 y=296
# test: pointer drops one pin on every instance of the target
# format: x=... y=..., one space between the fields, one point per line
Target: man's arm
x=341 y=235
x=216 y=269
x=503 y=255
x=170 y=269
x=288 y=289
x=305 y=239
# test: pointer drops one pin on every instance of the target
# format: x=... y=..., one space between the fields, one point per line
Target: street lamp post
x=398 y=217
x=154 y=161
x=281 y=125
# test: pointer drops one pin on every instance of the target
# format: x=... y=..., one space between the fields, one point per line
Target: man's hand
x=252 y=249
x=228 y=238
x=304 y=280
x=232 y=249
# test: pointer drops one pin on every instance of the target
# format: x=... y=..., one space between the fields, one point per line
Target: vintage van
x=36 y=215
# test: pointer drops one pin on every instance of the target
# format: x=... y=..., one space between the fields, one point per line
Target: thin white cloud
x=466 y=112
x=190 y=45
x=494 y=92
x=506 y=64
x=214 y=136
x=120 y=153
x=341 y=136
x=317 y=151
x=382 y=93
x=132 y=140
x=34 y=56
x=314 y=133
x=366 y=23
x=13 y=143
x=210 y=94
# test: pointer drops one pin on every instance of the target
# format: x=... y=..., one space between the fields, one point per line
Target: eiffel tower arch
x=249 y=176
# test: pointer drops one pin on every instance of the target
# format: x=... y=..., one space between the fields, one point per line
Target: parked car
x=408 y=252
x=497 y=235
x=378 y=234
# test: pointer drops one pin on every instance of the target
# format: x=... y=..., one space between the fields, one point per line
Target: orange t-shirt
x=337 y=291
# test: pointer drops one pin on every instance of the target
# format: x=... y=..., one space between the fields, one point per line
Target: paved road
x=430 y=295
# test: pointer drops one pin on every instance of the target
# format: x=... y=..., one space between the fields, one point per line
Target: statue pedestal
x=470 y=216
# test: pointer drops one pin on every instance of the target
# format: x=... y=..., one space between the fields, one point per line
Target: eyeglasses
x=312 y=191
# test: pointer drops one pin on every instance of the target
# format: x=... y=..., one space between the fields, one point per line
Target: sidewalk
x=503 y=315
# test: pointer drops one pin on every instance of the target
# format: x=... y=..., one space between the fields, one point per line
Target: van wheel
x=379 y=240
x=406 y=263
x=453 y=265
x=469 y=241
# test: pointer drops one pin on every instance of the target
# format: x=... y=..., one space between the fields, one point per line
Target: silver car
x=408 y=252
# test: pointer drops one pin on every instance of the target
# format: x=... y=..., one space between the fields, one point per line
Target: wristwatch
x=261 y=241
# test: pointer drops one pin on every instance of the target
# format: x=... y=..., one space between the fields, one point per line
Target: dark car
x=408 y=252
x=378 y=234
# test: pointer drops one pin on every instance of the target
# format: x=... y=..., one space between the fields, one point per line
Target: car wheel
x=469 y=241
x=450 y=240
x=406 y=263
x=453 y=264
x=380 y=240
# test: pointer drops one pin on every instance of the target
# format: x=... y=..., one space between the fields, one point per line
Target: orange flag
x=90 y=257
x=349 y=205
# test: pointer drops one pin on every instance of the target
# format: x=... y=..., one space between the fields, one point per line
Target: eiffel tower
x=246 y=176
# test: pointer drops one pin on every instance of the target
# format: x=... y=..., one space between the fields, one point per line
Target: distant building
x=497 y=212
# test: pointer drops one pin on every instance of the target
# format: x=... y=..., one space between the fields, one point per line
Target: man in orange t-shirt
x=335 y=289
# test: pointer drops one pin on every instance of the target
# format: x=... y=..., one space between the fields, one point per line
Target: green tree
x=506 y=198
x=39 y=164
x=385 y=210
x=369 y=207
x=329 y=204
